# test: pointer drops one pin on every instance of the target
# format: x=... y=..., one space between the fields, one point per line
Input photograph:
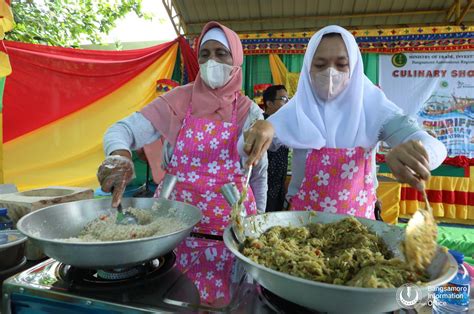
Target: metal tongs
x=236 y=200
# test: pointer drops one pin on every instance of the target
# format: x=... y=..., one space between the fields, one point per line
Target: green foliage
x=67 y=23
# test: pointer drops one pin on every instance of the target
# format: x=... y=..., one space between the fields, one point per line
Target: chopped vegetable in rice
x=343 y=253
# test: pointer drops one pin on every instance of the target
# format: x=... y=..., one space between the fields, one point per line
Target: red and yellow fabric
x=281 y=76
x=190 y=61
x=6 y=24
x=49 y=83
x=452 y=198
x=164 y=86
x=258 y=90
x=59 y=102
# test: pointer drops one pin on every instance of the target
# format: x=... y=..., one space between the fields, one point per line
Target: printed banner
x=439 y=89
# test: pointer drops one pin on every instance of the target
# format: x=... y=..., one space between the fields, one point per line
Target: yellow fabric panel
x=277 y=68
x=292 y=83
x=6 y=17
x=388 y=193
x=67 y=152
x=471 y=177
x=281 y=75
x=5 y=67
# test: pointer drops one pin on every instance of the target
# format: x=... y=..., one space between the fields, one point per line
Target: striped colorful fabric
x=58 y=102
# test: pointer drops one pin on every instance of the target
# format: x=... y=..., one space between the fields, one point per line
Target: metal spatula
x=236 y=200
x=232 y=196
x=420 y=237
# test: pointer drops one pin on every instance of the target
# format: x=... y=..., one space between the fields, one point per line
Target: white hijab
x=354 y=118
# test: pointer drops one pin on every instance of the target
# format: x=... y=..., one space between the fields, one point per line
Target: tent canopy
x=253 y=16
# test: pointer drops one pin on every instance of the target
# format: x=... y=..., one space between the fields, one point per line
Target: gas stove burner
x=119 y=274
x=82 y=279
x=127 y=272
x=280 y=305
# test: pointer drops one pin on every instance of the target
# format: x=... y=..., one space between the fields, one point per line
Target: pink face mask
x=329 y=83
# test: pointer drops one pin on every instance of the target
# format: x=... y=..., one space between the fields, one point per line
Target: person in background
x=200 y=123
x=274 y=98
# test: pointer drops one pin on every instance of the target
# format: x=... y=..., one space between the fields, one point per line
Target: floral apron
x=204 y=159
x=338 y=181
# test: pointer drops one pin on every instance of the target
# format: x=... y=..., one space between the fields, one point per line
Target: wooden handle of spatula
x=425 y=196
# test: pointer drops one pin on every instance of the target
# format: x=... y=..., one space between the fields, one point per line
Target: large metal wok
x=46 y=227
x=327 y=297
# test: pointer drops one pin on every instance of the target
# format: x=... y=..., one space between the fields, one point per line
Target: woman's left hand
x=409 y=163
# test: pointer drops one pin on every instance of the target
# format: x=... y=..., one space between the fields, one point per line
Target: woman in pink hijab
x=200 y=124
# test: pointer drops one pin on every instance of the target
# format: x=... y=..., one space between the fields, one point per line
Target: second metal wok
x=328 y=297
x=48 y=227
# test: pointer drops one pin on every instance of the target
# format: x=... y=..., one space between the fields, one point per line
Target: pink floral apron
x=204 y=159
x=338 y=180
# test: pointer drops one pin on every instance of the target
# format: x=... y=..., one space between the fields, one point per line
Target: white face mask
x=329 y=83
x=215 y=74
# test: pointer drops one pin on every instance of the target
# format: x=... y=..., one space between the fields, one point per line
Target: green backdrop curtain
x=293 y=63
x=177 y=73
x=371 y=66
x=255 y=70
x=2 y=87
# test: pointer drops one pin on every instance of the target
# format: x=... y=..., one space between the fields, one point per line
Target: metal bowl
x=328 y=297
x=49 y=226
x=12 y=248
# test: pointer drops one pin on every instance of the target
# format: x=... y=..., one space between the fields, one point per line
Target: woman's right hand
x=409 y=163
x=115 y=172
x=257 y=140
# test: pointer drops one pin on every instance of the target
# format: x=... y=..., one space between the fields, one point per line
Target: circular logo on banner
x=444 y=84
x=399 y=60
x=408 y=295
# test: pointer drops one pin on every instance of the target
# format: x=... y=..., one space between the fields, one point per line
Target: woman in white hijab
x=334 y=123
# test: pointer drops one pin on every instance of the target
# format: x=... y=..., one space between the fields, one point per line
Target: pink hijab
x=167 y=112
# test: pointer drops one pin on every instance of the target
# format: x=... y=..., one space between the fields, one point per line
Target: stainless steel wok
x=46 y=227
x=327 y=297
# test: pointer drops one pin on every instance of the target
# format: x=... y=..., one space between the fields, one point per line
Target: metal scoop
x=420 y=237
x=126 y=218
x=232 y=196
